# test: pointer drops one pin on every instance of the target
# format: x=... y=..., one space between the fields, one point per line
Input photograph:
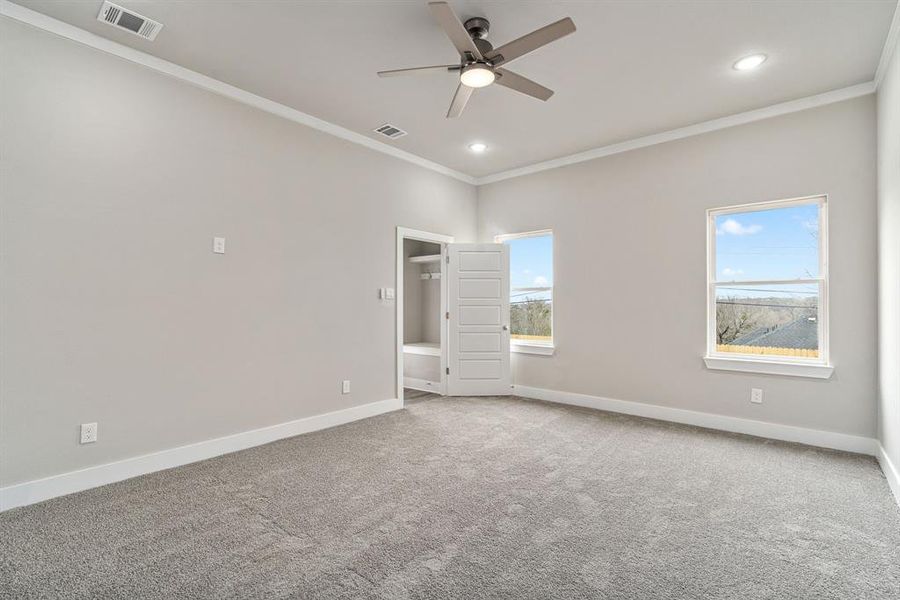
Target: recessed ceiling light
x=750 y=62
x=477 y=147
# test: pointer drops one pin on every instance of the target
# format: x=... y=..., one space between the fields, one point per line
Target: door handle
x=506 y=328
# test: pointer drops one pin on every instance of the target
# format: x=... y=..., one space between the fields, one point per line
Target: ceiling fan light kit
x=479 y=62
x=477 y=75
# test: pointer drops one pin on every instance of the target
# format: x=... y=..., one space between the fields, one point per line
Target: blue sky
x=531 y=264
x=771 y=244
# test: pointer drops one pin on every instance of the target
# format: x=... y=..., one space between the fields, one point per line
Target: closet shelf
x=429 y=258
x=426 y=348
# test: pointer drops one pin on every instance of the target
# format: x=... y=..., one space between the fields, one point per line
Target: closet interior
x=422 y=322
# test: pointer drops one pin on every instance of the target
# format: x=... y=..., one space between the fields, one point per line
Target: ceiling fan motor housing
x=478 y=27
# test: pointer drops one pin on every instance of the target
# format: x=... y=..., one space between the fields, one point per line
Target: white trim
x=768 y=204
x=404 y=233
x=505 y=237
x=769 y=367
x=890 y=472
x=888 y=50
x=41 y=21
x=775 y=431
x=75 y=481
x=784 y=108
x=526 y=348
x=727 y=282
x=423 y=385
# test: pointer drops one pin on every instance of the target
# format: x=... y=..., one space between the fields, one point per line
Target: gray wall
x=115 y=310
x=889 y=259
x=412 y=293
x=630 y=271
x=431 y=309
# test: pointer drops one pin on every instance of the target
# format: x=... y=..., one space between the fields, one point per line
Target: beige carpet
x=475 y=498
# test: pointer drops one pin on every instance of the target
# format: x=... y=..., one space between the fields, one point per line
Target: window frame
x=819 y=367
x=533 y=347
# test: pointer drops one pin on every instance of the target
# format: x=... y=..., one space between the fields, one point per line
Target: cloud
x=735 y=228
x=729 y=272
x=810 y=225
x=541 y=281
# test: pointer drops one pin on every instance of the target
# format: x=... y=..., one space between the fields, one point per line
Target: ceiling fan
x=480 y=64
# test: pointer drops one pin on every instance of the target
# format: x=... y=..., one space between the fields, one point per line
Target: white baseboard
x=67 y=483
x=423 y=385
x=890 y=472
x=788 y=433
x=75 y=481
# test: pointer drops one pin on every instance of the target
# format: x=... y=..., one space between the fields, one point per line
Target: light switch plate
x=345 y=386
x=219 y=245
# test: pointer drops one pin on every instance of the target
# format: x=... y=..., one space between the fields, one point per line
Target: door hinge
x=448 y=370
x=447 y=315
x=448 y=259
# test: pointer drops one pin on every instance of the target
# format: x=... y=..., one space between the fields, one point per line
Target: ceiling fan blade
x=417 y=70
x=454 y=29
x=528 y=43
x=516 y=82
x=462 y=95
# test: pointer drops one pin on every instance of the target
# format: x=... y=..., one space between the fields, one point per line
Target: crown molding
x=76 y=34
x=889 y=43
x=743 y=118
x=41 y=21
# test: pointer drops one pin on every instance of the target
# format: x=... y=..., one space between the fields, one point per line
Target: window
x=768 y=288
x=530 y=291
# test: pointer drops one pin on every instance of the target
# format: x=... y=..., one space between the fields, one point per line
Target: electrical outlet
x=345 y=386
x=88 y=433
x=756 y=395
x=219 y=245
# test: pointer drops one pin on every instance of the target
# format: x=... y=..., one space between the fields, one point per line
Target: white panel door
x=478 y=320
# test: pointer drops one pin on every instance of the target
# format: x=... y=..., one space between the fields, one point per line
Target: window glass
x=531 y=288
x=767 y=285
x=781 y=243
x=768 y=320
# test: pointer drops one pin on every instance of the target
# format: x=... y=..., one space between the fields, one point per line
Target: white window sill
x=539 y=349
x=749 y=365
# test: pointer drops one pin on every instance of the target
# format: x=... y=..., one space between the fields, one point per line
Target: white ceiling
x=633 y=68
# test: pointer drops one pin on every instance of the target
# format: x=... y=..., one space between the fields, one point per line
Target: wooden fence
x=531 y=338
x=769 y=350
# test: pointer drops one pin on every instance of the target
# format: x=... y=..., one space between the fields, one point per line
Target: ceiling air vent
x=388 y=130
x=115 y=15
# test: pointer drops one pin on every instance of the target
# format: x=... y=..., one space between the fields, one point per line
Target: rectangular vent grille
x=115 y=15
x=388 y=130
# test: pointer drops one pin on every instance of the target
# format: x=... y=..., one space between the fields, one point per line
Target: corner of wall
x=888 y=207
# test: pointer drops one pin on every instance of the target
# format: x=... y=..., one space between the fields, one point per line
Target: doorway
x=421 y=303
x=452 y=316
